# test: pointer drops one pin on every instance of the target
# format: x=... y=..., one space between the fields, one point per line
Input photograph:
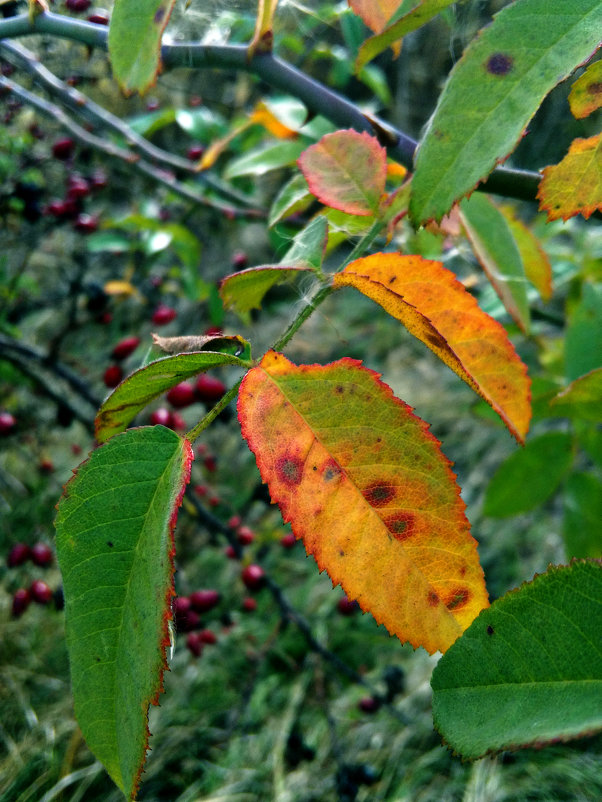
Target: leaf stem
x=195 y=432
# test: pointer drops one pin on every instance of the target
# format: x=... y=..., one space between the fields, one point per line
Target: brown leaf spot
x=594 y=88
x=290 y=470
x=401 y=525
x=110 y=544
x=432 y=599
x=499 y=64
x=331 y=470
x=339 y=389
x=490 y=630
x=457 y=599
x=379 y=494
x=436 y=340
x=159 y=15
x=392 y=279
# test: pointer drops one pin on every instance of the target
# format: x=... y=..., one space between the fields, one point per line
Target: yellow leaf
x=586 y=93
x=364 y=483
x=434 y=307
x=574 y=186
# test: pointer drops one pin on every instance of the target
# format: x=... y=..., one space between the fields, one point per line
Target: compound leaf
x=148 y=383
x=528 y=671
x=114 y=534
x=574 y=185
x=135 y=33
x=433 y=305
x=346 y=170
x=363 y=482
x=492 y=93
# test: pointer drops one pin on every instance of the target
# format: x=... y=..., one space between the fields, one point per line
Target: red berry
x=184 y=616
x=18 y=555
x=153 y=104
x=195 y=100
x=368 y=704
x=86 y=223
x=239 y=260
x=182 y=395
x=41 y=554
x=163 y=315
x=245 y=535
x=78 y=6
x=209 y=389
x=253 y=576
x=249 y=604
x=210 y=463
x=57 y=208
x=40 y=592
x=195 y=152
x=112 y=376
x=7 y=423
x=346 y=606
x=230 y=553
x=98 y=19
x=204 y=600
x=77 y=187
x=161 y=416
x=214 y=501
x=125 y=347
x=63 y=148
x=207 y=636
x=288 y=541
x=214 y=331
x=105 y=318
x=234 y=522
x=46 y=466
x=21 y=601
x=178 y=423
x=76 y=449
x=201 y=490
x=194 y=644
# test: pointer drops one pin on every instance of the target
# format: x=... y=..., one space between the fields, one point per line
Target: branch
x=319 y=99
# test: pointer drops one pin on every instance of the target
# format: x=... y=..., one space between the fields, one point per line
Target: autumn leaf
x=434 y=307
x=586 y=93
x=375 y=13
x=263 y=35
x=574 y=186
x=363 y=482
x=346 y=170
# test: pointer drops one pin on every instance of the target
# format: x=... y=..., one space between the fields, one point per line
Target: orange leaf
x=434 y=307
x=574 y=186
x=363 y=482
x=586 y=93
x=375 y=13
x=346 y=170
x=262 y=115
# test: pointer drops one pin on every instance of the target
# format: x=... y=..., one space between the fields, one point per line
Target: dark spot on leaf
x=499 y=64
x=436 y=340
x=290 y=470
x=97 y=659
x=339 y=389
x=331 y=470
x=159 y=14
x=458 y=598
x=379 y=439
x=341 y=553
x=432 y=599
x=379 y=494
x=594 y=88
x=490 y=630
x=463 y=571
x=314 y=467
x=392 y=279
x=110 y=544
x=400 y=525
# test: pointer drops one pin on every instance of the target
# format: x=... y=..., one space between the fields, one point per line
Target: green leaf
x=529 y=476
x=492 y=93
x=496 y=249
x=582 y=398
x=114 y=535
x=528 y=671
x=583 y=516
x=309 y=245
x=409 y=22
x=265 y=159
x=245 y=290
x=583 y=342
x=149 y=382
x=135 y=33
x=293 y=197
